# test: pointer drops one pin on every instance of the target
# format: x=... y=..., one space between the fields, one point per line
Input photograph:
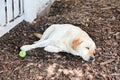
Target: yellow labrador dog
x=65 y=38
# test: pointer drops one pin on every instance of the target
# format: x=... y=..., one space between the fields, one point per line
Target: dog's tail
x=38 y=35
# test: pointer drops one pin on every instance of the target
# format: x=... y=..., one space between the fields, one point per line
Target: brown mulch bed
x=99 y=18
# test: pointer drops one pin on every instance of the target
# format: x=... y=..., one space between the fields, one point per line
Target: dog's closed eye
x=87 y=48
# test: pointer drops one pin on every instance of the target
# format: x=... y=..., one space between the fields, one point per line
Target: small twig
x=106 y=8
x=1 y=72
x=106 y=62
x=115 y=74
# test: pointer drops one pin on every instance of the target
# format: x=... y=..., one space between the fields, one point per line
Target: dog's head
x=85 y=49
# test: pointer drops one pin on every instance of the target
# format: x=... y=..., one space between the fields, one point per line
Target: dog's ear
x=75 y=43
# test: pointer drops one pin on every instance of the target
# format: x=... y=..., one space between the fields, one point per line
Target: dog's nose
x=91 y=59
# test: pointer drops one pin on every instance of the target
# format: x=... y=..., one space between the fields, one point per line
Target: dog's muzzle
x=91 y=59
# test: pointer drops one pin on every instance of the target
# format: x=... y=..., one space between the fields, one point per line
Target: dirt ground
x=99 y=18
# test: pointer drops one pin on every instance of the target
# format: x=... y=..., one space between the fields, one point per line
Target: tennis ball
x=22 y=54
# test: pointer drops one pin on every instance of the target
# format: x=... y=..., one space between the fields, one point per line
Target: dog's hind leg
x=36 y=45
x=47 y=33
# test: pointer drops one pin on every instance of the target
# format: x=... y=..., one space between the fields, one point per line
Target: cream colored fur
x=65 y=38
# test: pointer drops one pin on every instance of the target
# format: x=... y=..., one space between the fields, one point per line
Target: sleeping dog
x=65 y=38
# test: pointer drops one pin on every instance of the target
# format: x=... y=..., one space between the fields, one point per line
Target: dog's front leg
x=52 y=49
x=36 y=45
x=28 y=47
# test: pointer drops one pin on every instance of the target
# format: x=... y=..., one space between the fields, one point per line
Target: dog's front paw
x=25 y=47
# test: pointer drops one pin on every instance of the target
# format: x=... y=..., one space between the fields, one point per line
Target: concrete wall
x=33 y=8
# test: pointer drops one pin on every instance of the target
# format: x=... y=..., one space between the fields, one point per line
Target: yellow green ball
x=22 y=54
